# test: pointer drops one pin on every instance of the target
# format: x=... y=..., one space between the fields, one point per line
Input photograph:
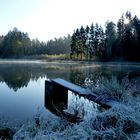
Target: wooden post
x=56 y=97
x=56 y=100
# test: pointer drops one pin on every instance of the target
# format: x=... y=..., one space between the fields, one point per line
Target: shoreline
x=44 y=61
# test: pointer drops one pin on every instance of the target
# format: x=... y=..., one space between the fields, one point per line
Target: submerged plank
x=84 y=93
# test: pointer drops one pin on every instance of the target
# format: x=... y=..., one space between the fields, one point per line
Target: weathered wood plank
x=85 y=93
x=70 y=86
x=58 y=86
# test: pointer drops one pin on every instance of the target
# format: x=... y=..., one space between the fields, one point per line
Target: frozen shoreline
x=116 y=123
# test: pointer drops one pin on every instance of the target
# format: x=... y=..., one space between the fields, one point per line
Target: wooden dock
x=61 y=85
x=56 y=98
x=56 y=101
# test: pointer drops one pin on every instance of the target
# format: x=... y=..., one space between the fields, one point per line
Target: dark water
x=22 y=84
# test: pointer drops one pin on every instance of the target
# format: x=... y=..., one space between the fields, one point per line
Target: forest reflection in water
x=28 y=81
x=17 y=76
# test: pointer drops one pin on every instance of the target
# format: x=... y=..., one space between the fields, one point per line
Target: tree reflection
x=81 y=76
x=17 y=76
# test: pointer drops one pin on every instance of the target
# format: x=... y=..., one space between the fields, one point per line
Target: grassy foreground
x=121 y=122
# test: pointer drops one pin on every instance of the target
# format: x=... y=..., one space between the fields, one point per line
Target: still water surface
x=22 y=84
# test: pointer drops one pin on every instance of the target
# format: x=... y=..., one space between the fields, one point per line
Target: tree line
x=17 y=44
x=117 y=41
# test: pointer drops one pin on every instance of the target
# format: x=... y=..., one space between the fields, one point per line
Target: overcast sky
x=47 y=19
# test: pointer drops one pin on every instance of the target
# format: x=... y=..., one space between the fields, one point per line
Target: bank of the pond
x=118 y=122
x=41 y=60
x=114 y=124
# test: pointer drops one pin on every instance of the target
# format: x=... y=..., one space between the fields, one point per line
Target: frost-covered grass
x=114 y=124
x=123 y=90
x=121 y=122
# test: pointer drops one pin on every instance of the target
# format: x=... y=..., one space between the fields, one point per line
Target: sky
x=49 y=19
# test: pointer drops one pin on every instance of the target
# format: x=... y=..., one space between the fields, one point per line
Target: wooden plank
x=71 y=86
x=52 y=97
x=57 y=86
x=84 y=93
x=56 y=103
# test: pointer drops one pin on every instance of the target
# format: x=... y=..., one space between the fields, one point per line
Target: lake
x=22 y=83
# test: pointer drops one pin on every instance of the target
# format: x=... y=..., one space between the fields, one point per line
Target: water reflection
x=17 y=76
x=27 y=80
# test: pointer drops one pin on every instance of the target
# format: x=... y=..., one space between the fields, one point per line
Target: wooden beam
x=87 y=93
x=57 y=103
x=71 y=86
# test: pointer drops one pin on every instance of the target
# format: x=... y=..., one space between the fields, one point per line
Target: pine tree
x=101 y=43
x=136 y=31
x=128 y=37
x=92 y=41
x=87 y=43
x=120 y=32
x=82 y=40
x=110 y=39
x=1 y=44
x=97 y=41
x=78 y=43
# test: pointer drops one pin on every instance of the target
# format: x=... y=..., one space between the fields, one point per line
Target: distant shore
x=59 y=61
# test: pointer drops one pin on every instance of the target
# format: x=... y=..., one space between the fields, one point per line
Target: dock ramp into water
x=60 y=85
